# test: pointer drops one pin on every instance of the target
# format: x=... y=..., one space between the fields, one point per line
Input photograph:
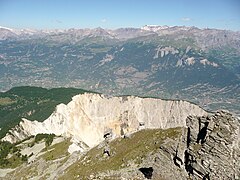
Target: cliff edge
x=89 y=118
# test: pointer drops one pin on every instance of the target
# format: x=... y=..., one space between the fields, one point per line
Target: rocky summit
x=96 y=136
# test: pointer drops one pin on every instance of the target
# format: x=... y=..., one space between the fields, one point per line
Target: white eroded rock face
x=88 y=117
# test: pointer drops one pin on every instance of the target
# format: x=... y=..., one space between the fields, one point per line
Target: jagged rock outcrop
x=88 y=118
x=213 y=147
x=209 y=148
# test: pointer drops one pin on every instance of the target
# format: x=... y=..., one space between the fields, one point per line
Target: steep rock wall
x=88 y=117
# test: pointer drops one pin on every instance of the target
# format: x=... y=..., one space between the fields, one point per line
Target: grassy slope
x=134 y=148
x=51 y=153
x=33 y=103
x=57 y=151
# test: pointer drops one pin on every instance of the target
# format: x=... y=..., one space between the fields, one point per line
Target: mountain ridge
x=100 y=114
x=200 y=65
x=154 y=29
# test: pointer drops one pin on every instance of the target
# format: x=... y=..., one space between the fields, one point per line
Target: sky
x=112 y=14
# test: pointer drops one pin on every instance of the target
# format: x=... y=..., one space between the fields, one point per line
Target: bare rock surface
x=213 y=147
x=88 y=116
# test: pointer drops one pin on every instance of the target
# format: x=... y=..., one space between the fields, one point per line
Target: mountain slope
x=199 y=65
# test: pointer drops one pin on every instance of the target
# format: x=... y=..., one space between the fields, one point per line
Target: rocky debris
x=168 y=161
x=90 y=118
x=42 y=167
x=61 y=168
x=74 y=148
x=106 y=151
x=4 y=172
x=34 y=151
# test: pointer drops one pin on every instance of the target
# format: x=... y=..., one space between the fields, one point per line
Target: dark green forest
x=33 y=103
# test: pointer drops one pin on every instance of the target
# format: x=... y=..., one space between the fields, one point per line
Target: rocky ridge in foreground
x=213 y=147
x=207 y=148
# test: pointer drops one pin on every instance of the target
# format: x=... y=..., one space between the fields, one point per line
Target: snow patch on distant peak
x=9 y=29
x=154 y=28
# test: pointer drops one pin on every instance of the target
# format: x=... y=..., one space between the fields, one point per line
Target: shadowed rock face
x=147 y=172
x=88 y=117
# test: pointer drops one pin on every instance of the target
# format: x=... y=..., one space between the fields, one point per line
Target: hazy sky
x=41 y=14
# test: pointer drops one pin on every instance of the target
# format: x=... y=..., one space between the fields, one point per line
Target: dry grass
x=57 y=151
x=134 y=148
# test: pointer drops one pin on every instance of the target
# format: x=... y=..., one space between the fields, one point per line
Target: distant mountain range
x=199 y=65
